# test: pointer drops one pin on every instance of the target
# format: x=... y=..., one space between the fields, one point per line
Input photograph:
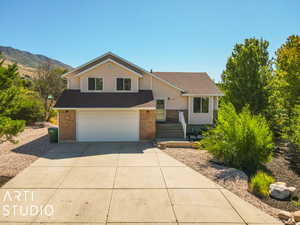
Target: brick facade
x=147 y=124
x=172 y=115
x=67 y=125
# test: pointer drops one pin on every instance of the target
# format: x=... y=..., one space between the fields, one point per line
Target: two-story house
x=111 y=99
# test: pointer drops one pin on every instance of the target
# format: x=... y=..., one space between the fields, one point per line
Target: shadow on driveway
x=71 y=150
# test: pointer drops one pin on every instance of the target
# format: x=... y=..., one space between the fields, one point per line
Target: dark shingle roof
x=77 y=99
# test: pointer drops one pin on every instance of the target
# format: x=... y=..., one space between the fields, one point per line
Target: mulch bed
x=282 y=169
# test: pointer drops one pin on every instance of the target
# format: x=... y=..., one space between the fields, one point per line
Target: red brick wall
x=67 y=125
x=147 y=124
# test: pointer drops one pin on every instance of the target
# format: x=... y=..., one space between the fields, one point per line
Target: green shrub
x=10 y=128
x=30 y=109
x=294 y=130
x=259 y=184
x=53 y=113
x=295 y=203
x=240 y=140
x=197 y=145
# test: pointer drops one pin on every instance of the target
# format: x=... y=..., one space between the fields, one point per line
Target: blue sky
x=163 y=35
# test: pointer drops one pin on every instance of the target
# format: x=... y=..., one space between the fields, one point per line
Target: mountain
x=27 y=60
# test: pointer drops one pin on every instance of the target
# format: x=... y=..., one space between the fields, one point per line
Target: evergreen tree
x=9 y=102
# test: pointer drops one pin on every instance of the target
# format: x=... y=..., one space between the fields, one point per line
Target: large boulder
x=296 y=216
x=284 y=215
x=280 y=191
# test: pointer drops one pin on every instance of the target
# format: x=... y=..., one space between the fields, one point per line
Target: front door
x=160 y=110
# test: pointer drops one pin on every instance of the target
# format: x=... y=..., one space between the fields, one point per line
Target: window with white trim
x=201 y=105
x=95 y=84
x=123 y=84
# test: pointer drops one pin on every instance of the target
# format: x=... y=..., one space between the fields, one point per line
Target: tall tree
x=49 y=84
x=285 y=86
x=288 y=69
x=9 y=102
x=246 y=76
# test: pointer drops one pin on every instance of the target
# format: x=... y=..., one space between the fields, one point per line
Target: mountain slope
x=28 y=59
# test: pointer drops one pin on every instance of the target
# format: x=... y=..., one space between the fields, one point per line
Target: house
x=112 y=99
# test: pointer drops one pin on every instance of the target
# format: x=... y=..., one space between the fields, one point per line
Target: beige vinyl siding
x=109 y=72
x=201 y=118
x=174 y=99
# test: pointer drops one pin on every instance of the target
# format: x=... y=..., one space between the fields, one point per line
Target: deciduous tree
x=247 y=74
x=50 y=85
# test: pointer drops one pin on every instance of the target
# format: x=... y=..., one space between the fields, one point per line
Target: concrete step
x=169 y=136
x=179 y=132
x=168 y=125
x=169 y=130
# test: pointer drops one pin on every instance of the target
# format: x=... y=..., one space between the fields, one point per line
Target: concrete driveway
x=119 y=183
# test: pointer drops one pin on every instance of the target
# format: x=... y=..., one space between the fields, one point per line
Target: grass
x=259 y=184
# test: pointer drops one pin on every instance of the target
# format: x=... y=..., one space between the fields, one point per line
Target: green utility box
x=53 y=134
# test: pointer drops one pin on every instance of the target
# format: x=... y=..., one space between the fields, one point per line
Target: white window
x=123 y=84
x=95 y=84
x=201 y=105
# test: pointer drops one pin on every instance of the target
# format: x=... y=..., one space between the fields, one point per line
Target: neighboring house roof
x=191 y=82
x=76 y=99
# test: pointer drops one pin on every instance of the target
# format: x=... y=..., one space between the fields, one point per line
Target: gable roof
x=103 y=58
x=119 y=60
x=187 y=83
x=192 y=83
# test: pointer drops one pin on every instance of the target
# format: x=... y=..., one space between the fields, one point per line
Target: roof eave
x=104 y=108
x=191 y=94
x=105 y=61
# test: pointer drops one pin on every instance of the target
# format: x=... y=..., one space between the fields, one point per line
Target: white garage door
x=108 y=125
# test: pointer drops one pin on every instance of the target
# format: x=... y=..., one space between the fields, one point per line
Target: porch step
x=168 y=125
x=169 y=130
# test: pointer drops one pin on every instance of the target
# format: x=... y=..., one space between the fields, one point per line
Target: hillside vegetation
x=27 y=62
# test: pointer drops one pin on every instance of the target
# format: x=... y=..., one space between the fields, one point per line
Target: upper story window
x=123 y=84
x=201 y=105
x=95 y=84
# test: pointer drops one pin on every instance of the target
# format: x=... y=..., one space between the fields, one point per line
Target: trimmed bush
x=243 y=140
x=259 y=184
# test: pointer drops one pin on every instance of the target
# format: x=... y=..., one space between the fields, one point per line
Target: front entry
x=160 y=110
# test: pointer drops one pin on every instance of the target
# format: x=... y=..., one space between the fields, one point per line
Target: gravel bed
x=201 y=161
x=281 y=168
x=32 y=143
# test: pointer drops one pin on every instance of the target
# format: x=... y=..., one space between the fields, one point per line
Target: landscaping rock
x=232 y=176
x=284 y=215
x=296 y=216
x=280 y=191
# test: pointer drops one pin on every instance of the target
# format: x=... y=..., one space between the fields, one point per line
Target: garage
x=107 y=125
